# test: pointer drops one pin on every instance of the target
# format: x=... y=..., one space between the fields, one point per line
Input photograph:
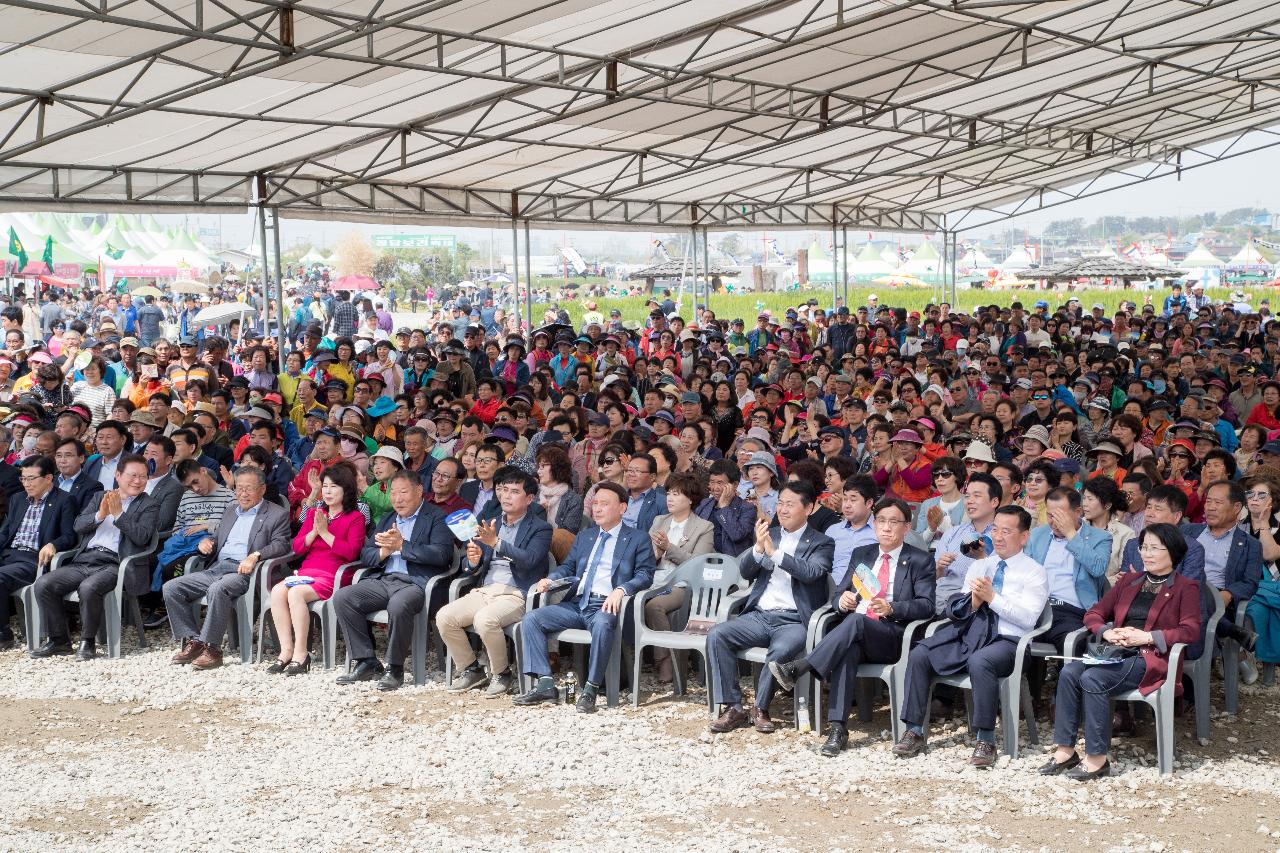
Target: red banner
x=38 y=268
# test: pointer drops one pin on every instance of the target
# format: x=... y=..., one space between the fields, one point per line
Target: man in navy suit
x=1232 y=558
x=83 y=488
x=38 y=524
x=646 y=500
x=871 y=628
x=410 y=545
x=790 y=566
x=606 y=563
x=509 y=555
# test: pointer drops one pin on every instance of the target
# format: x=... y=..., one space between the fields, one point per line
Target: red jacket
x=1175 y=614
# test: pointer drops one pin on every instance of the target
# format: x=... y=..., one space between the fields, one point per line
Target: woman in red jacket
x=487 y=401
x=1145 y=614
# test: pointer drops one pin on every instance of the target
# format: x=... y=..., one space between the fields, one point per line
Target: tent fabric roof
x=676 y=269
x=1101 y=267
x=880 y=114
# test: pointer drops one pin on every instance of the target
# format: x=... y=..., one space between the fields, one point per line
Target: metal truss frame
x=914 y=144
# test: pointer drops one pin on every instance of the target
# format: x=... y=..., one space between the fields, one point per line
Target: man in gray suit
x=252 y=530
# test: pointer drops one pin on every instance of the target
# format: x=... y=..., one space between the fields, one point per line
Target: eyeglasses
x=1255 y=494
x=974 y=463
x=1039 y=396
x=890 y=522
x=442 y=475
x=609 y=461
x=943 y=475
x=1036 y=479
x=1179 y=455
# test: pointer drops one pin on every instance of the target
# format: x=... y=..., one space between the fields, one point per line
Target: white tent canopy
x=878 y=114
x=1200 y=257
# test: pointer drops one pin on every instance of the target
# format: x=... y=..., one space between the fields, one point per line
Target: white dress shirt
x=1023 y=595
x=602 y=583
x=108 y=535
x=778 y=594
x=107 y=474
x=887 y=592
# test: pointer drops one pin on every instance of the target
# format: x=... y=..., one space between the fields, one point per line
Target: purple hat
x=501 y=433
x=909 y=435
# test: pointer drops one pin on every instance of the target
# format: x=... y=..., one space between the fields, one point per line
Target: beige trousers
x=487 y=610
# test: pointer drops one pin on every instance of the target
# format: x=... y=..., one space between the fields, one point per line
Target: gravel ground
x=138 y=755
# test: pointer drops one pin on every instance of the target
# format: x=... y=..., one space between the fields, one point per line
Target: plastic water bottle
x=802 y=714
x=571 y=688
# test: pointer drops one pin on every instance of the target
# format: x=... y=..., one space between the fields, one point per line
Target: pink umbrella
x=354 y=282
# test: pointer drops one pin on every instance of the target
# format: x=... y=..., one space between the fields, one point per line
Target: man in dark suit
x=645 y=500
x=83 y=489
x=509 y=555
x=251 y=530
x=411 y=544
x=790 y=565
x=871 y=628
x=122 y=525
x=1232 y=558
x=38 y=524
x=606 y=563
x=480 y=491
x=162 y=485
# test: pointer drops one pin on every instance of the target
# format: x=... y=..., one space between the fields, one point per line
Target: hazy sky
x=1250 y=181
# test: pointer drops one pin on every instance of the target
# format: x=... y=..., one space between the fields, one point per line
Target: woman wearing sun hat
x=905 y=472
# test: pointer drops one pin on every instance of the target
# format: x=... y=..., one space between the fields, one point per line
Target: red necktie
x=883 y=578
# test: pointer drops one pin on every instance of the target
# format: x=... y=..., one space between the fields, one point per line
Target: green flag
x=15 y=249
x=47 y=257
x=113 y=253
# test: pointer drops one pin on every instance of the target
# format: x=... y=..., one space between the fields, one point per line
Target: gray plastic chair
x=1198 y=671
x=893 y=675
x=710 y=579
x=581 y=640
x=1015 y=695
x=421 y=630
x=321 y=610
x=1231 y=653
x=113 y=603
x=1161 y=701
x=242 y=634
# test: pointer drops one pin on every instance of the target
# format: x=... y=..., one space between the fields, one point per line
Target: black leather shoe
x=365 y=670
x=1248 y=640
x=984 y=755
x=837 y=740
x=390 y=681
x=6 y=644
x=785 y=674
x=586 y=703
x=53 y=648
x=88 y=650
x=909 y=745
x=1079 y=774
x=540 y=693
x=1054 y=767
x=155 y=620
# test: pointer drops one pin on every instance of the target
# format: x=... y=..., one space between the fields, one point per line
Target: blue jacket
x=734 y=525
x=633 y=565
x=528 y=555
x=1244 y=562
x=653 y=505
x=1091 y=548
x=809 y=568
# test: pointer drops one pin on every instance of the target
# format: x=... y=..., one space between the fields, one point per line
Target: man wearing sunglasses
x=1042 y=409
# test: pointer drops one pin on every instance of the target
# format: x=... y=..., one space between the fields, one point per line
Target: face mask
x=29 y=442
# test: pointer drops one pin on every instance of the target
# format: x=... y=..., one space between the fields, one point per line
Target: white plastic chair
x=581 y=639
x=710 y=579
x=1015 y=695
x=421 y=630
x=321 y=610
x=1198 y=671
x=242 y=634
x=1161 y=701
x=113 y=603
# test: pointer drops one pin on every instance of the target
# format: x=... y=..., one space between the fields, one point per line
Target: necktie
x=883 y=577
x=997 y=582
x=591 y=570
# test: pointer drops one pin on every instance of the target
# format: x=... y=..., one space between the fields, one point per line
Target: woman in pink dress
x=332 y=534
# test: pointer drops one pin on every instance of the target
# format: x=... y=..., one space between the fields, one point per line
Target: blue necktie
x=601 y=543
x=997 y=582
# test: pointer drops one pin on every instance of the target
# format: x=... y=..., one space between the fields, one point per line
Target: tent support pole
x=693 y=259
x=266 y=277
x=844 y=264
x=835 y=279
x=515 y=258
x=528 y=270
x=706 y=267
x=280 y=331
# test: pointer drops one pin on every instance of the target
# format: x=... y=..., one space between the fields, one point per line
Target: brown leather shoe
x=210 y=658
x=191 y=650
x=984 y=754
x=760 y=719
x=909 y=745
x=732 y=718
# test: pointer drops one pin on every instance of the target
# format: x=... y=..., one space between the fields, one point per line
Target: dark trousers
x=780 y=630
x=986 y=667
x=17 y=569
x=1086 y=691
x=856 y=640
x=222 y=585
x=537 y=624
x=92 y=574
x=395 y=593
x=1066 y=618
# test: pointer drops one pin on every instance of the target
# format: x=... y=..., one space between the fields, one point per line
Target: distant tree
x=384 y=268
x=354 y=255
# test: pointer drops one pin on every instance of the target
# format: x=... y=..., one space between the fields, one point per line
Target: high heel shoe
x=296 y=668
x=278 y=667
